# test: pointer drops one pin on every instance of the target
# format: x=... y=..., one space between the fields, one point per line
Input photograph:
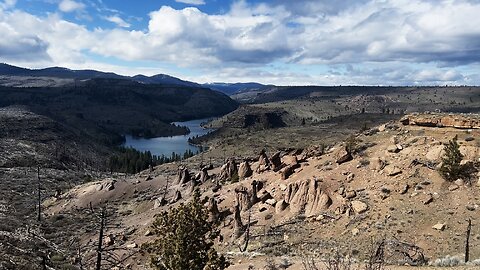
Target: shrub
x=185 y=239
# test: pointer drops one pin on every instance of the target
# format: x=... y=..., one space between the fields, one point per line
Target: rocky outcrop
x=242 y=198
x=246 y=199
x=307 y=197
x=229 y=171
x=183 y=176
x=312 y=151
x=244 y=170
x=470 y=121
x=213 y=213
x=202 y=176
x=263 y=162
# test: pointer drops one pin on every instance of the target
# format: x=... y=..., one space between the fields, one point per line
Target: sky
x=282 y=42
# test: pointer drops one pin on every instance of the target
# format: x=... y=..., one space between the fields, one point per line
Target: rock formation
x=242 y=197
x=276 y=161
x=202 y=176
x=307 y=197
x=238 y=226
x=229 y=171
x=263 y=162
x=213 y=213
x=244 y=170
x=289 y=170
x=183 y=175
x=443 y=120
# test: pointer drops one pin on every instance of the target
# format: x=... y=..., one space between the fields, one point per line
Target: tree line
x=130 y=160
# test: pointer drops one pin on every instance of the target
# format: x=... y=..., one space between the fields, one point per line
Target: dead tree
x=247 y=234
x=39 y=198
x=100 y=239
x=467 y=241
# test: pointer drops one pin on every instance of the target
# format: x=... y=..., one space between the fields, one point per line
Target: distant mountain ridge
x=65 y=73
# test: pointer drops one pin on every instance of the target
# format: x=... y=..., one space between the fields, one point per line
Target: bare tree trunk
x=39 y=210
x=247 y=233
x=100 y=239
x=467 y=242
x=238 y=225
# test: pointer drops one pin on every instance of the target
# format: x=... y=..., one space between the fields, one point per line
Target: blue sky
x=302 y=42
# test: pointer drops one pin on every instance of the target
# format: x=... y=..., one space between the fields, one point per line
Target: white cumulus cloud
x=118 y=21
x=380 y=42
x=70 y=6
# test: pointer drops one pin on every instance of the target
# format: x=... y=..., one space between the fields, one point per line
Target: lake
x=166 y=145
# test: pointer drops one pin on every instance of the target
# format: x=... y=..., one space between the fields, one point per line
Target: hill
x=58 y=76
x=107 y=108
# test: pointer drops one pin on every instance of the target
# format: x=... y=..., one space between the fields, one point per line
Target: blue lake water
x=166 y=145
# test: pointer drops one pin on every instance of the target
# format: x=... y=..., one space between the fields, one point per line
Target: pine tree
x=451 y=168
x=185 y=239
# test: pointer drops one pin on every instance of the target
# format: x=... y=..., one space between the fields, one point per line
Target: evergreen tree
x=185 y=239
x=451 y=168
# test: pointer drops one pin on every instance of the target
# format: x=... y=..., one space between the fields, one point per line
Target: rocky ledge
x=462 y=121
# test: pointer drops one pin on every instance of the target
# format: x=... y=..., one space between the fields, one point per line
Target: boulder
x=289 y=170
x=435 y=153
x=244 y=170
x=427 y=199
x=405 y=189
x=159 y=202
x=439 y=226
x=276 y=161
x=350 y=177
x=359 y=207
x=378 y=163
x=453 y=187
x=393 y=148
x=392 y=170
x=110 y=185
x=271 y=202
x=108 y=240
x=350 y=194
x=342 y=155
x=290 y=160
x=131 y=246
x=280 y=206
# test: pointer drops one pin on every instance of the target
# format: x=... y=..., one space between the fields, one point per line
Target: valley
x=293 y=174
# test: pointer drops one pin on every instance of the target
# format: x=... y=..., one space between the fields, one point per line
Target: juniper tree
x=451 y=168
x=185 y=239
